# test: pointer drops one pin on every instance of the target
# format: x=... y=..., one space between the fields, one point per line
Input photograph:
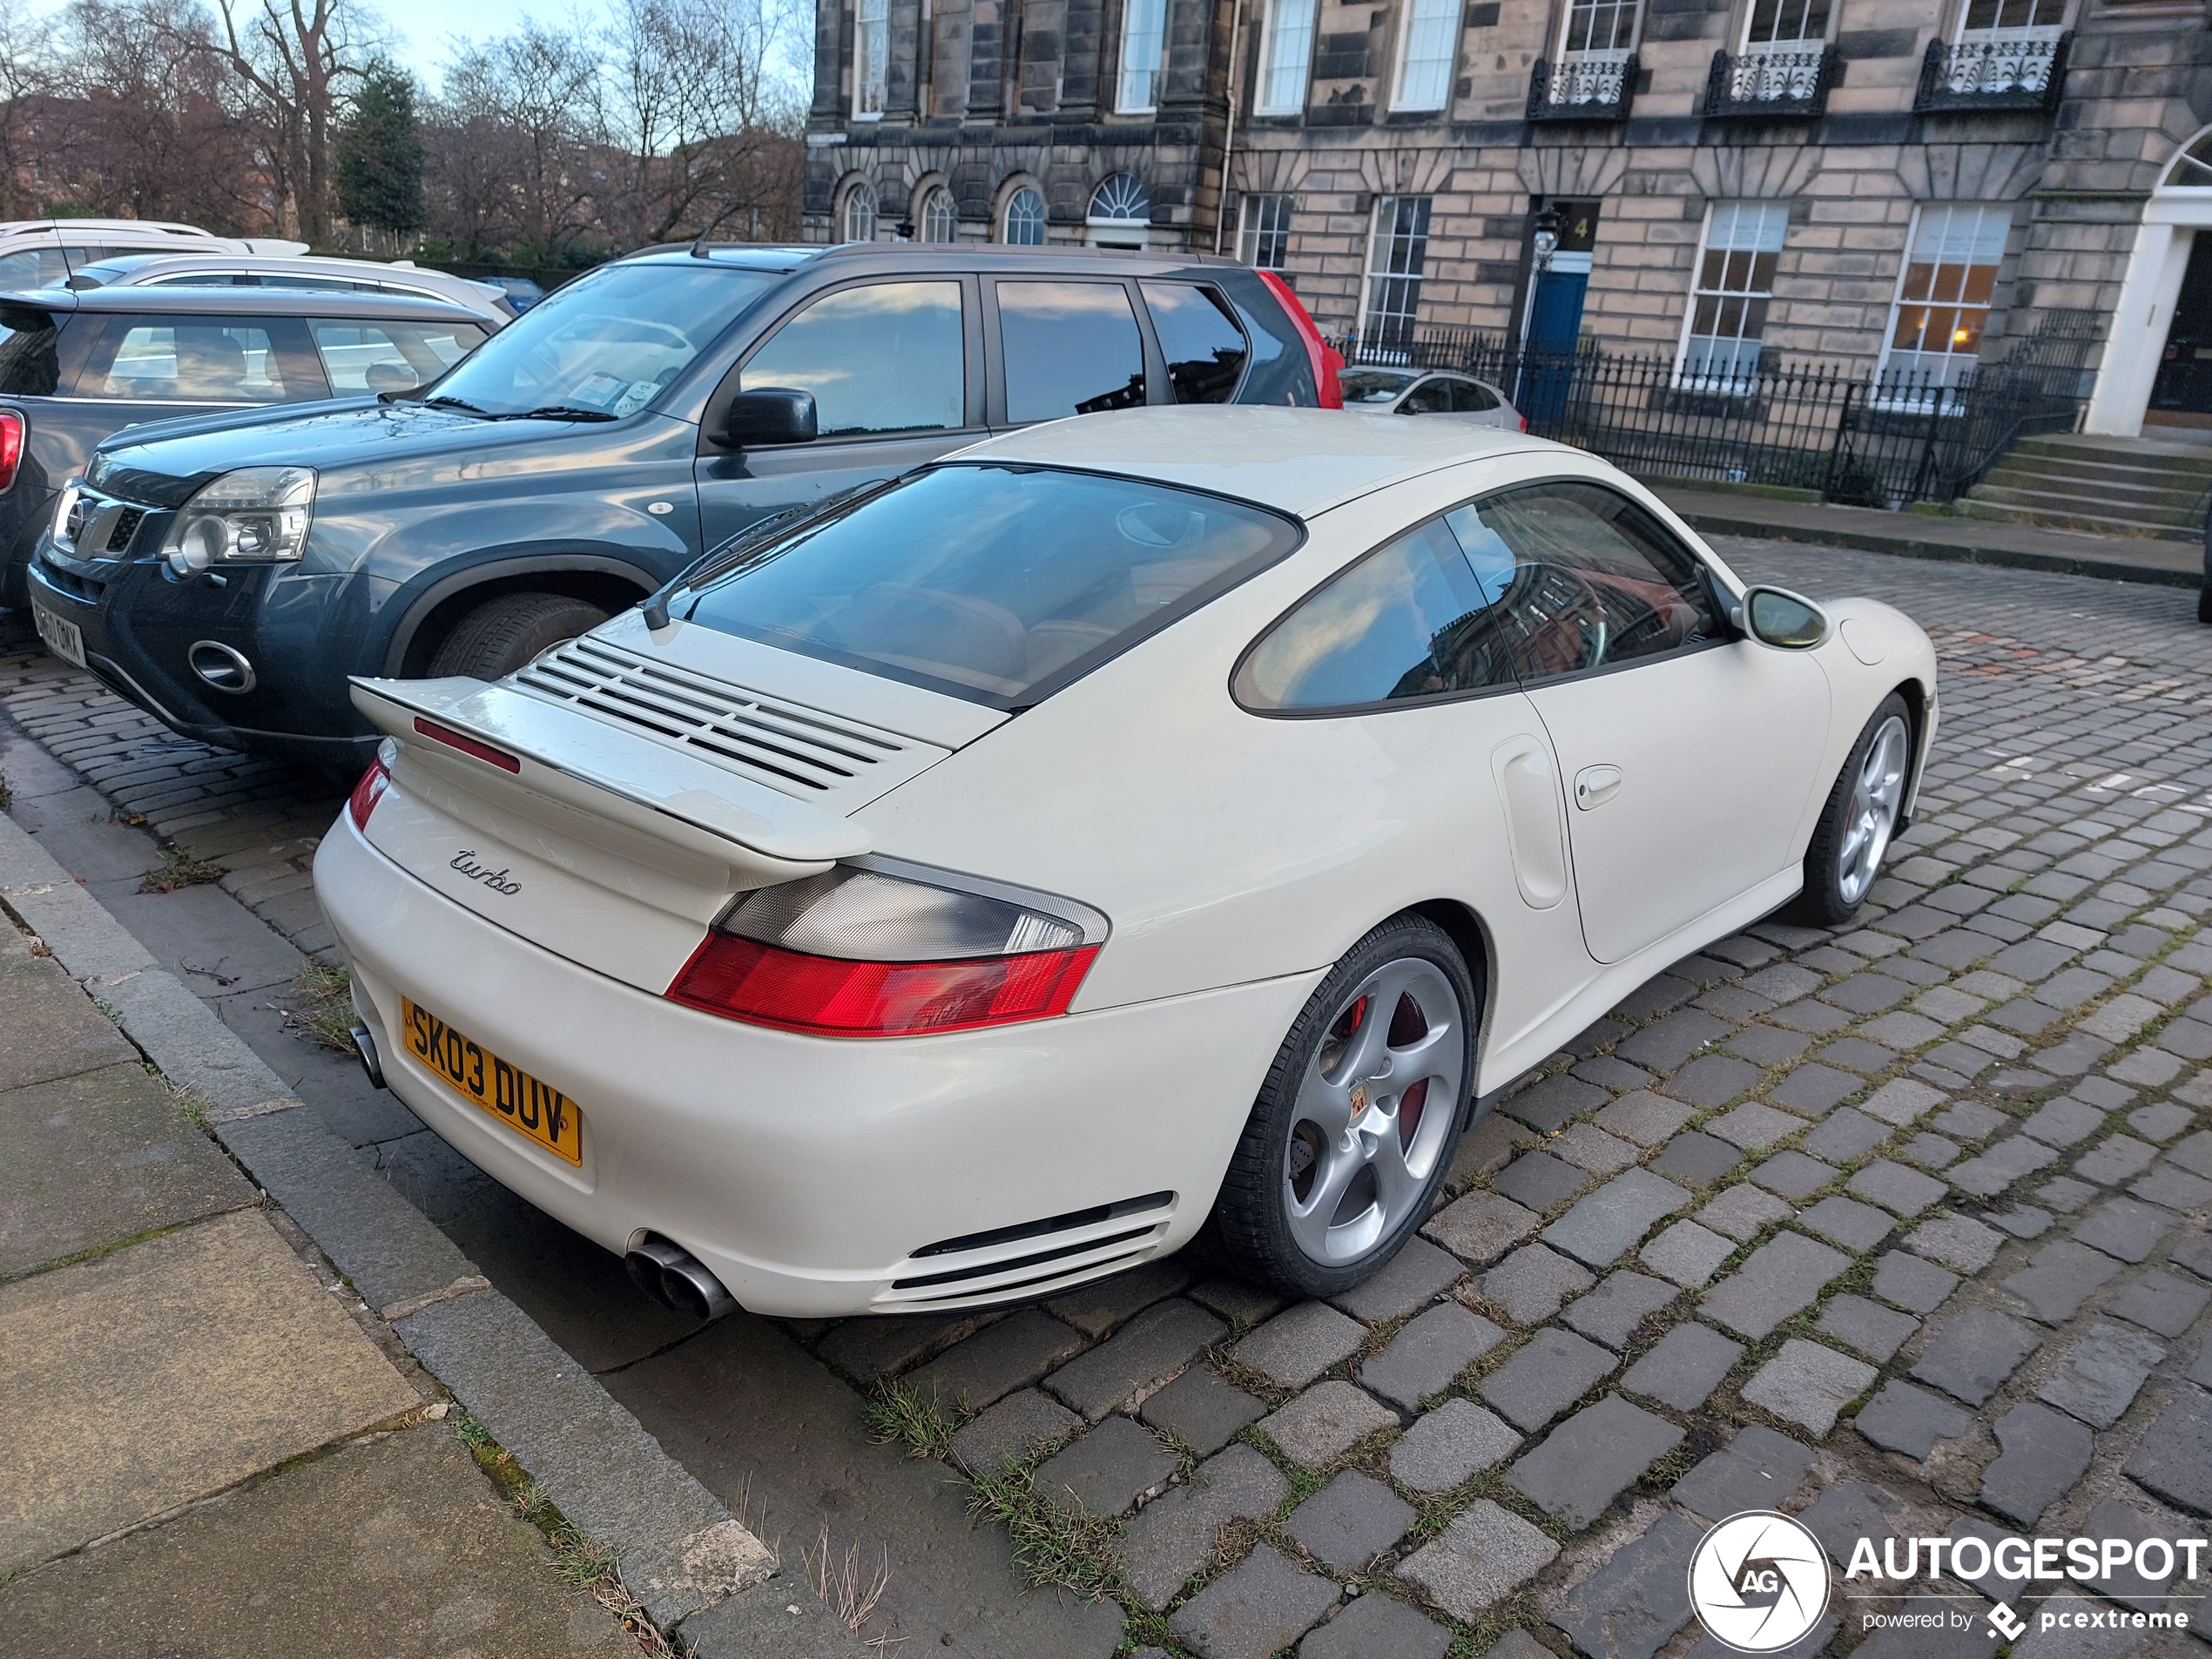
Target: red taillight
x=826 y=996
x=11 y=429
x=366 y=793
x=466 y=744
x=1524 y=424
x=1326 y=361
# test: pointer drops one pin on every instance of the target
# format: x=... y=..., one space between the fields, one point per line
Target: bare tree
x=696 y=97
x=297 y=58
x=517 y=144
x=29 y=74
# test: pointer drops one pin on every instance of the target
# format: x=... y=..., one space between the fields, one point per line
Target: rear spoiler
x=594 y=767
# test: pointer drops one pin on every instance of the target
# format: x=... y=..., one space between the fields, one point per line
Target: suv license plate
x=64 y=638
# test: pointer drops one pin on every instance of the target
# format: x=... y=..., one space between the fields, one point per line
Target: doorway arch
x=2179 y=208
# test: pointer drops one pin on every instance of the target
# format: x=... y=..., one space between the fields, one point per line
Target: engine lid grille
x=801 y=752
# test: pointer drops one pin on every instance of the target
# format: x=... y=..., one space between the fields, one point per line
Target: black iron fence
x=1874 y=442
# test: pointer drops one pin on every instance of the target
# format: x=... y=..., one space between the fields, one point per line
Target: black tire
x=1824 y=903
x=1250 y=1230
x=501 y=635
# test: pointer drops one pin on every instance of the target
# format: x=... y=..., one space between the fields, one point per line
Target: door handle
x=1594 y=786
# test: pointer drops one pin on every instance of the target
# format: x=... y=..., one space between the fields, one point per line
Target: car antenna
x=699 y=250
x=655 y=611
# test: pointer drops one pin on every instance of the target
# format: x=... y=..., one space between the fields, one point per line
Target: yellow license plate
x=503 y=1091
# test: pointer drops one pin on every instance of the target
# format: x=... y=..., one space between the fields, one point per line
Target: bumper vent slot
x=789 y=748
x=1033 y=1258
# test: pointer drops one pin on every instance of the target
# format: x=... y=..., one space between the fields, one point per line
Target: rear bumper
x=806 y=1173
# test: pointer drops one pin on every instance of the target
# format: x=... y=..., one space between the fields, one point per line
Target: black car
x=228 y=575
x=76 y=368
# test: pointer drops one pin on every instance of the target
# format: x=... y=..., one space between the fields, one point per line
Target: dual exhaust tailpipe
x=677 y=1279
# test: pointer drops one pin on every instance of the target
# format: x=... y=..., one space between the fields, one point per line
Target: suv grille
x=789 y=748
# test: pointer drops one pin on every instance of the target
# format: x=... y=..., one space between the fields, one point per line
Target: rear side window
x=1071 y=348
x=1472 y=397
x=389 y=356
x=29 y=364
x=1407 y=621
x=990 y=581
x=34 y=268
x=889 y=357
x=173 y=360
x=1204 y=347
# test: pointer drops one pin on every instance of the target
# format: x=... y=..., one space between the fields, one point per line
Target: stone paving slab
x=399 y=1545
x=52 y=1030
x=1150 y=1348
x=1633 y=1604
x=1484 y=1555
x=165 y=1374
x=98 y=1157
x=1261 y=1607
x=1173 y=1536
x=1592 y=1458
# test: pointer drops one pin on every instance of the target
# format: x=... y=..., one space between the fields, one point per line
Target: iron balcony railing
x=1771 y=82
x=1993 y=75
x=1583 y=89
x=1870 y=441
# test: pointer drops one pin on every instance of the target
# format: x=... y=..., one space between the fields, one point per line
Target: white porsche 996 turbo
x=1149 y=823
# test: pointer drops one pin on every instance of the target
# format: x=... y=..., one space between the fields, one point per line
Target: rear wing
x=513 y=744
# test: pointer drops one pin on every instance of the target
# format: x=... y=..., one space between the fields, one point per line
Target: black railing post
x=1540 y=81
x=1932 y=64
x=1836 y=444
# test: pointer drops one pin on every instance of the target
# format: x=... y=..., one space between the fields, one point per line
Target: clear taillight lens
x=862 y=953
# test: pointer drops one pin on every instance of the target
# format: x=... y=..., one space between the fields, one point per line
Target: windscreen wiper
x=557 y=412
x=462 y=404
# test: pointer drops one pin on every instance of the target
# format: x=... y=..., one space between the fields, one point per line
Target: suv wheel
x=499 y=637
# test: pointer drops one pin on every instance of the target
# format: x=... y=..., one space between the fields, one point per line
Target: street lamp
x=1546 y=237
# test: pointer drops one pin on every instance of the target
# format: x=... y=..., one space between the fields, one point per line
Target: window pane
x=1407 y=621
x=1582 y=577
x=871 y=55
x=29 y=366
x=204 y=362
x=886 y=358
x=1371 y=385
x=394 y=356
x=1204 y=347
x=1736 y=278
x=1289 y=49
x=1956 y=251
x=940 y=218
x=1472 y=397
x=1070 y=348
x=1144 y=47
x=1432 y=50
x=1397 y=255
x=1025 y=218
x=986 y=581
x=1264 y=239
x=37 y=267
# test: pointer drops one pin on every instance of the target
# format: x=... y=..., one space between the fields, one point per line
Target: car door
x=1688 y=752
x=1404 y=647
x=894 y=367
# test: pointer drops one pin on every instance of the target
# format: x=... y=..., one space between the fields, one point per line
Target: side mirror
x=773 y=415
x=1778 y=618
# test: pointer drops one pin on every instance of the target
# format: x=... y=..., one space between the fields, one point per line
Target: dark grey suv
x=589 y=452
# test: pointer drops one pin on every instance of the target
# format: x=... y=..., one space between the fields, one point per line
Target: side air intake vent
x=1032 y=1259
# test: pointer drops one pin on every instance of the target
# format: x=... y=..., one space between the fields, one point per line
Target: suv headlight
x=254 y=516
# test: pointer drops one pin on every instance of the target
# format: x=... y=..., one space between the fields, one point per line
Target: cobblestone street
x=1901 y=1229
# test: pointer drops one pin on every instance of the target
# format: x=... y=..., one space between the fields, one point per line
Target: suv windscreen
x=986 y=582
x=605 y=343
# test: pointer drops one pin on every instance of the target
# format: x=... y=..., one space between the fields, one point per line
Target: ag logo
x=1758 y=1581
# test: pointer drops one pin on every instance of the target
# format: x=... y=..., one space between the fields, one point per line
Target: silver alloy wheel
x=1876 y=795
x=1374 y=1110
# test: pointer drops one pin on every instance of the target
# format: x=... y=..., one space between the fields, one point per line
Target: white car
x=1458 y=398
x=1137 y=823
x=43 y=252
x=403 y=278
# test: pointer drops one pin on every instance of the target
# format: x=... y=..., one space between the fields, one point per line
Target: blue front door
x=1555 y=320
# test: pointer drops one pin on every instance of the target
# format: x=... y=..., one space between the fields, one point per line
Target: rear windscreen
x=996 y=583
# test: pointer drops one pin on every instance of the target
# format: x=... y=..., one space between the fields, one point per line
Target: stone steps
x=2148 y=487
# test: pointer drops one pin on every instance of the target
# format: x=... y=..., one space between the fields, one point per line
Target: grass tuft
x=322 y=1005
x=179 y=869
x=899 y=1413
x=1052 y=1546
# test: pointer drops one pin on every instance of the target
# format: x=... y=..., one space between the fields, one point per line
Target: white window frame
x=1427 y=18
x=1591 y=74
x=860 y=192
x=1285 y=57
x=1377 y=272
x=2007 y=61
x=1772 y=217
x=939 y=198
x=1249 y=231
x=1997 y=216
x=871 y=57
x=1006 y=216
x=1137 y=84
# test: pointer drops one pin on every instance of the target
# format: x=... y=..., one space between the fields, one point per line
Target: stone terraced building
x=1881 y=184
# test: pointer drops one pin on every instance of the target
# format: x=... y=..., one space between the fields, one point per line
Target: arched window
x=2192 y=169
x=940 y=218
x=1025 y=218
x=1122 y=199
x=859 y=213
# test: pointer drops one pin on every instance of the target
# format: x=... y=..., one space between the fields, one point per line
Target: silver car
x=1461 y=398
x=405 y=280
